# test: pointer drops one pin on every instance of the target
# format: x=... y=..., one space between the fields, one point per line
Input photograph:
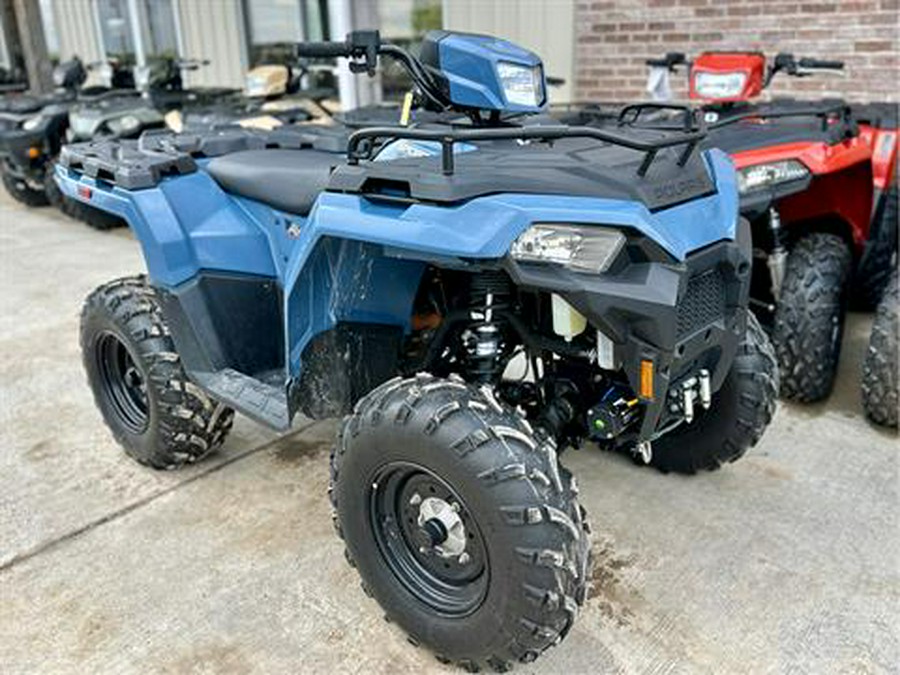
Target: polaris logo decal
x=677 y=188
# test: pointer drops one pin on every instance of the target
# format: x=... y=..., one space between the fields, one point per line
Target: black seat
x=288 y=180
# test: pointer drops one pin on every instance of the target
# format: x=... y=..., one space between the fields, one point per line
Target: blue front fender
x=188 y=223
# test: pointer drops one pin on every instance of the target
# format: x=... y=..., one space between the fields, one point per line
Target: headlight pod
x=719 y=85
x=522 y=85
x=760 y=176
x=581 y=248
x=33 y=123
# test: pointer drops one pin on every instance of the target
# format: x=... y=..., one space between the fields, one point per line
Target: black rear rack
x=837 y=112
x=363 y=142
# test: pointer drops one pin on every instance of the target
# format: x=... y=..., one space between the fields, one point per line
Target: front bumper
x=680 y=316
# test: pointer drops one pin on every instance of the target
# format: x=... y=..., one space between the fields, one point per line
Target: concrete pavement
x=783 y=562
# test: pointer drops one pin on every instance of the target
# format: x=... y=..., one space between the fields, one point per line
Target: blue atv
x=473 y=297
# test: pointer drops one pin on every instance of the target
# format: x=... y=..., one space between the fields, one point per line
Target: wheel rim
x=429 y=538
x=121 y=383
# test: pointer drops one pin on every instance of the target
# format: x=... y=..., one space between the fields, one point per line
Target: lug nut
x=463 y=558
x=415 y=500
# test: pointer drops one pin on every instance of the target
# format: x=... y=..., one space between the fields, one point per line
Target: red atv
x=814 y=183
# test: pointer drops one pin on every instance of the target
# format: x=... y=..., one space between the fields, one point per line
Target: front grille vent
x=703 y=303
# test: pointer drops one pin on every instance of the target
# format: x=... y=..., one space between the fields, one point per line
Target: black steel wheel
x=154 y=411
x=440 y=559
x=460 y=521
x=122 y=384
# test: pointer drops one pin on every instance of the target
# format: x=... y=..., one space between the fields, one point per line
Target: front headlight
x=582 y=248
x=765 y=175
x=32 y=123
x=719 y=85
x=522 y=85
x=125 y=124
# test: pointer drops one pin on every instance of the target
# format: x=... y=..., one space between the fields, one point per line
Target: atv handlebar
x=671 y=60
x=820 y=64
x=325 y=50
x=363 y=47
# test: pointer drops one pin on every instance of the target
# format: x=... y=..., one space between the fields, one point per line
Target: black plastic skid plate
x=134 y=165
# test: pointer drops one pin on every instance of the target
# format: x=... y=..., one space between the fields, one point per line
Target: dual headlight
x=522 y=85
x=581 y=248
x=760 y=176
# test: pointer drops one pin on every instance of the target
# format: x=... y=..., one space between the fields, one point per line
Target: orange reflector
x=647 y=379
x=85 y=192
x=34 y=153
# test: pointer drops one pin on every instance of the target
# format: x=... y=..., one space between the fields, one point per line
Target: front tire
x=809 y=319
x=56 y=198
x=740 y=412
x=507 y=579
x=99 y=219
x=879 y=381
x=21 y=191
x=154 y=411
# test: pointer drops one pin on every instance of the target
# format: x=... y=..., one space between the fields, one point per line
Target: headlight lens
x=582 y=248
x=764 y=175
x=522 y=85
x=125 y=124
x=719 y=85
x=32 y=123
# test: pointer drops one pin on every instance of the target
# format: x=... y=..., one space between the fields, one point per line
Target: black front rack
x=362 y=144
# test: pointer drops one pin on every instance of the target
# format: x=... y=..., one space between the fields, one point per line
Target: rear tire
x=809 y=319
x=154 y=411
x=525 y=535
x=19 y=190
x=879 y=381
x=877 y=261
x=740 y=412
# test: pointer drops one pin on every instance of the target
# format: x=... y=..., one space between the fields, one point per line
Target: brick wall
x=614 y=38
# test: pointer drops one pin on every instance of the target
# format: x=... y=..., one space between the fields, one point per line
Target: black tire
x=809 y=319
x=877 y=261
x=100 y=220
x=879 y=381
x=56 y=198
x=21 y=192
x=740 y=412
x=534 y=565
x=159 y=417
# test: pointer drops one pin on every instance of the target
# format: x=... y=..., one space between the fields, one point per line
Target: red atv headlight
x=719 y=85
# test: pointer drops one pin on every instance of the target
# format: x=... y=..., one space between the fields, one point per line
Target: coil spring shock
x=489 y=295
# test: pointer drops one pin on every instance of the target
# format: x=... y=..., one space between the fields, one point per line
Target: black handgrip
x=819 y=63
x=670 y=60
x=324 y=49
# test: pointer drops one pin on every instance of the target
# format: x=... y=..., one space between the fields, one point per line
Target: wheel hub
x=441 y=527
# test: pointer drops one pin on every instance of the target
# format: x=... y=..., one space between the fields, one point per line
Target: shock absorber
x=489 y=297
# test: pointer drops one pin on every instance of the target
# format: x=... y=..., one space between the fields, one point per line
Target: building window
x=114 y=17
x=404 y=22
x=275 y=26
x=159 y=32
x=51 y=36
